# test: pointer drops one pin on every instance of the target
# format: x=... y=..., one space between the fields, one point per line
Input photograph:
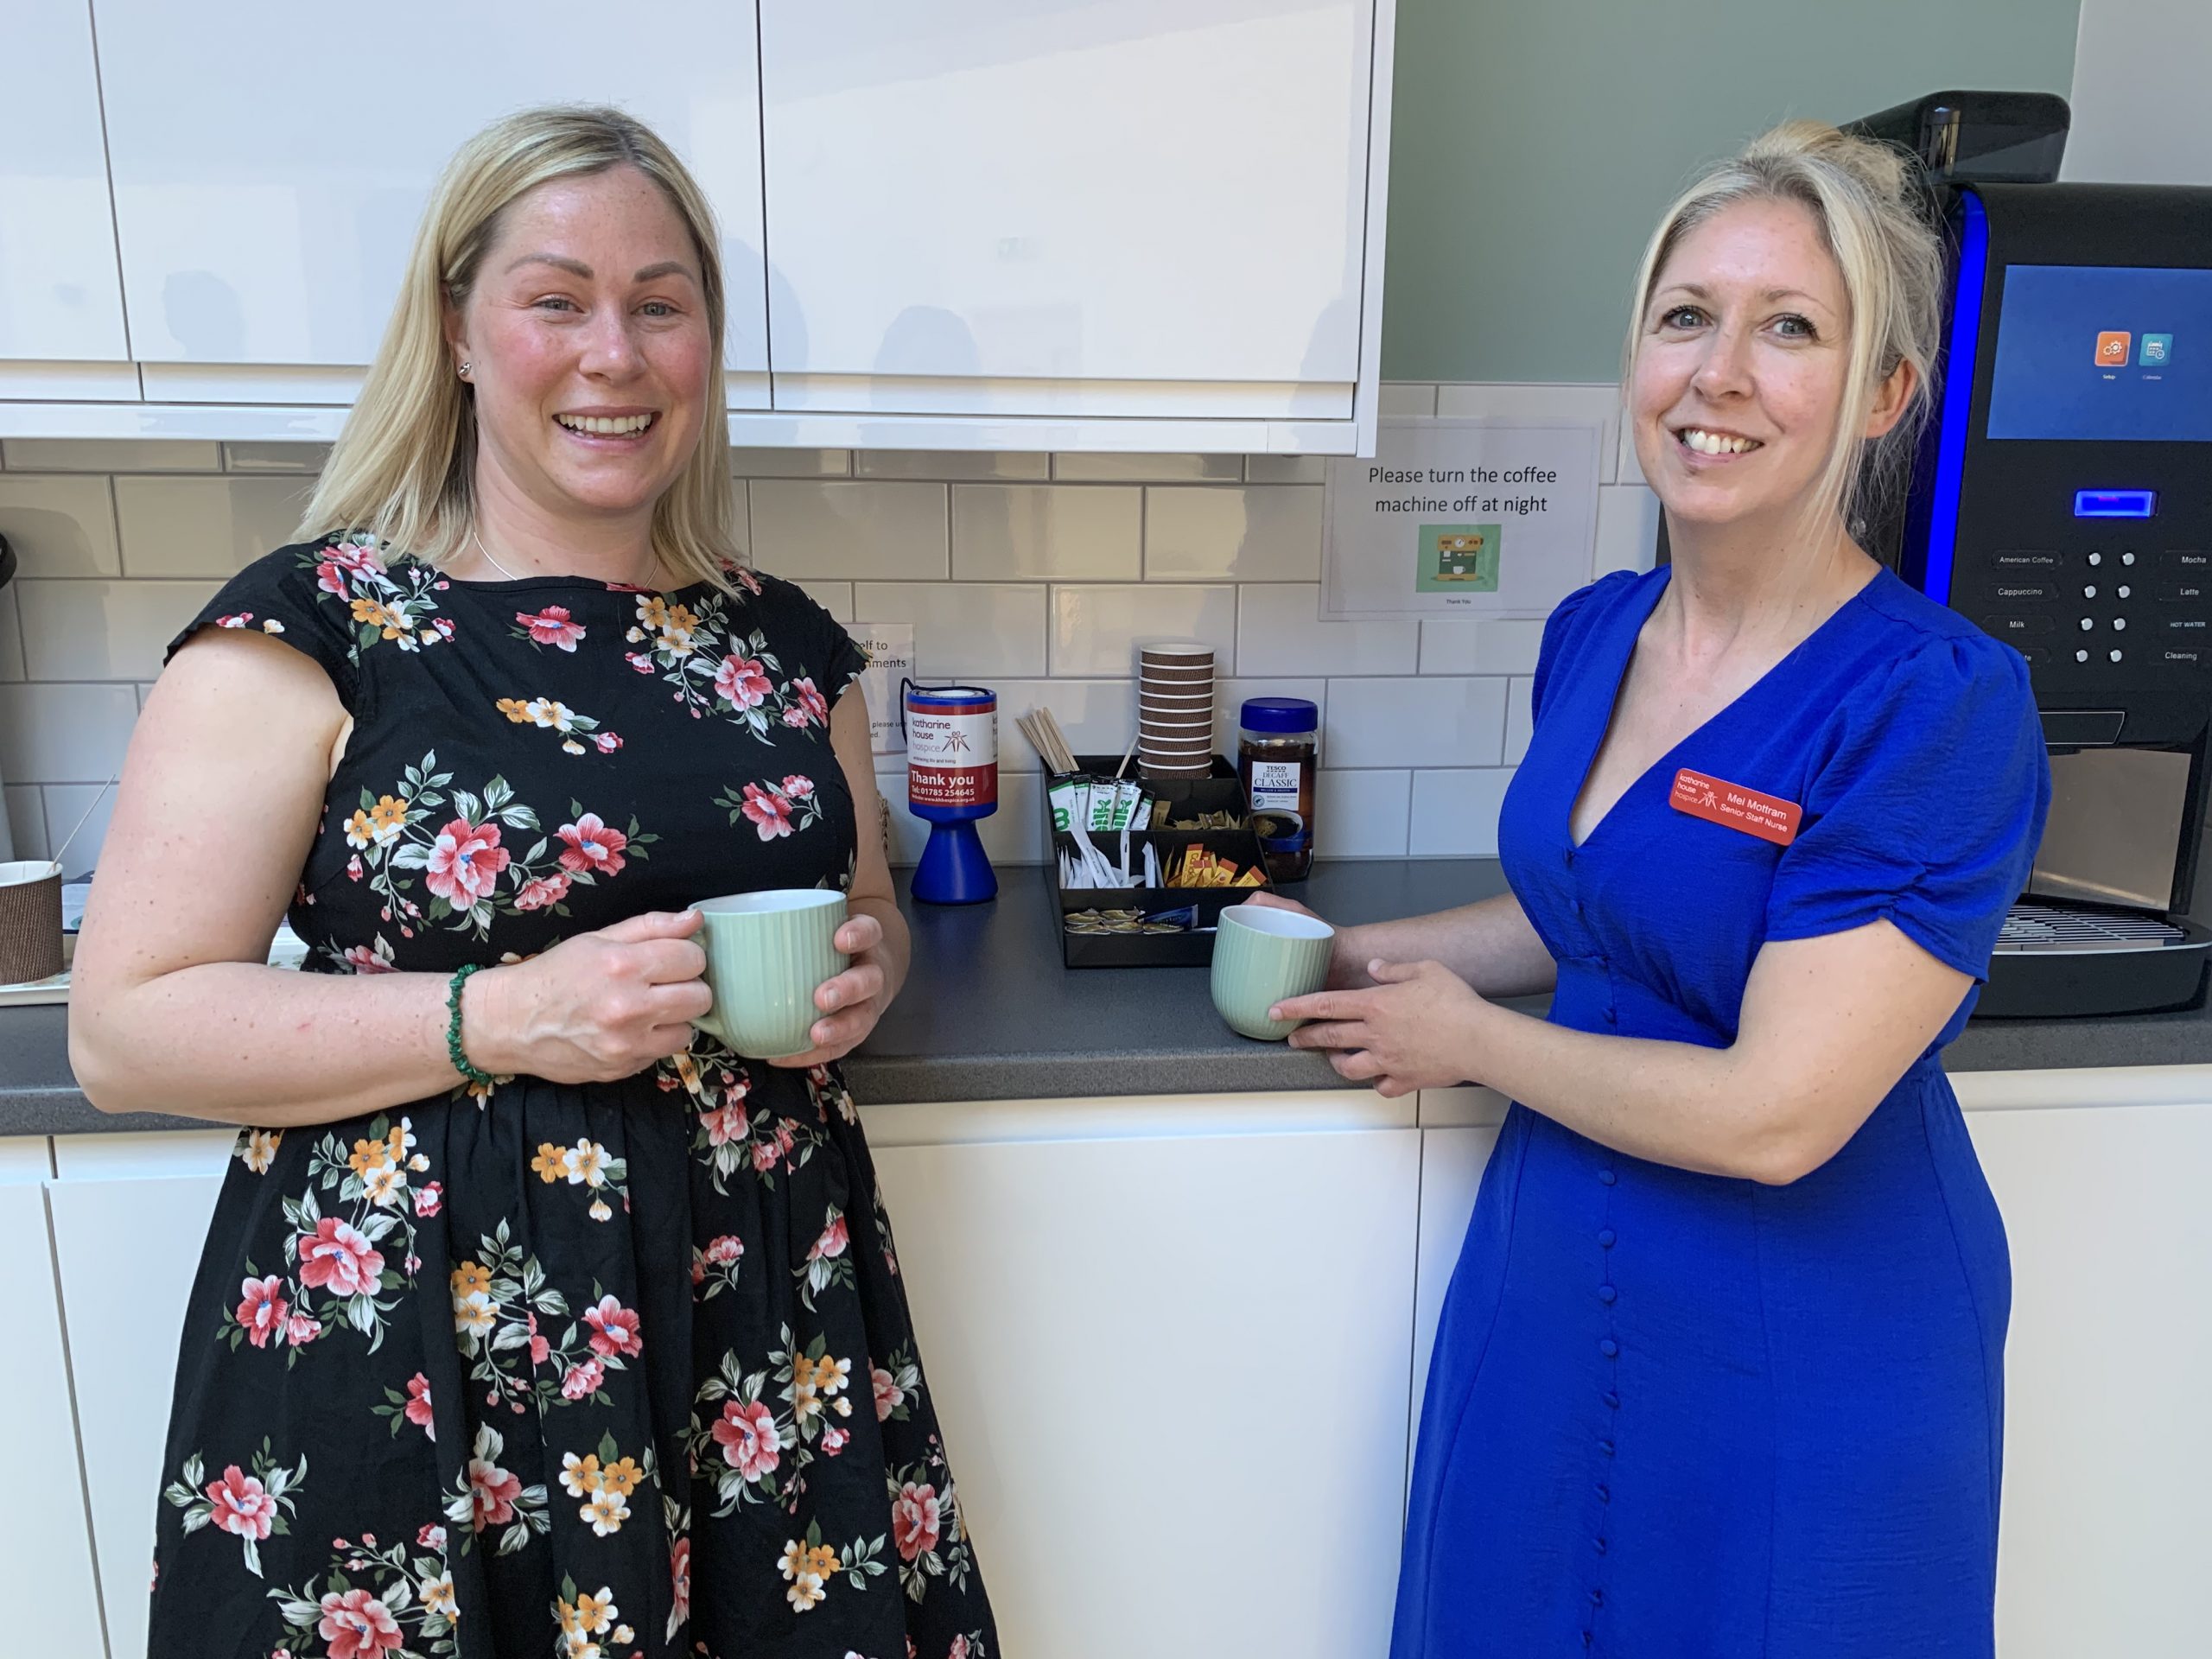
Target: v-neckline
x=1620 y=681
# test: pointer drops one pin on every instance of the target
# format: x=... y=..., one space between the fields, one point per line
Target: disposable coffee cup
x=767 y=953
x=31 y=920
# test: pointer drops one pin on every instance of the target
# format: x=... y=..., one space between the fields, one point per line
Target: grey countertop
x=990 y=1013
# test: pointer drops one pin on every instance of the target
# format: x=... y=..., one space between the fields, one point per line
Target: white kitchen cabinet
x=45 y=1535
x=2107 y=1443
x=130 y=1212
x=61 y=299
x=1128 y=208
x=1169 y=1354
x=271 y=160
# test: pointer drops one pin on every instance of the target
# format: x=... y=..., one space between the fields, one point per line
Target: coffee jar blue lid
x=1280 y=714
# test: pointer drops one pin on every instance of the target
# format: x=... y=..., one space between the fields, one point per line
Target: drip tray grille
x=2045 y=927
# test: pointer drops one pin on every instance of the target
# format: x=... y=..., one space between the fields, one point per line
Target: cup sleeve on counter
x=1927 y=810
x=283 y=596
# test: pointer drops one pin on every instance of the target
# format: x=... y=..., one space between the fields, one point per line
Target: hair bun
x=1879 y=168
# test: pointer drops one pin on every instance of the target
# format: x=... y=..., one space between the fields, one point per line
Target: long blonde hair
x=1860 y=194
x=403 y=467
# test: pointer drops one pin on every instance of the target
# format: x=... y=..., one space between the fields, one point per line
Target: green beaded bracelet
x=462 y=1064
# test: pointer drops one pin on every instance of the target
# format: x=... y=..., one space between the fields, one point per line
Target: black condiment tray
x=1221 y=791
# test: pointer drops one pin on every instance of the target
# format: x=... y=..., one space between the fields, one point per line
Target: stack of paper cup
x=1175 y=709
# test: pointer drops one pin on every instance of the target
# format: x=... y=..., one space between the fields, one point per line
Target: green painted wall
x=1535 y=142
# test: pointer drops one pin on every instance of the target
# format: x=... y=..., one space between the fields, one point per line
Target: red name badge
x=1734 y=807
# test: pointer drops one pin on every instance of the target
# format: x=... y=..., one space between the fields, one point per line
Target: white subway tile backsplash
x=1095 y=630
x=949 y=465
x=11 y=633
x=1599 y=405
x=1428 y=721
x=104 y=630
x=1148 y=469
x=790 y=463
x=27 y=821
x=1286 y=469
x=64 y=734
x=1480 y=645
x=971 y=628
x=211 y=527
x=1520 y=719
x=59 y=526
x=111 y=455
x=1279 y=631
x=1361 y=813
x=1096 y=716
x=1046 y=532
x=1228 y=703
x=1628 y=528
x=294 y=459
x=1262 y=533
x=1035 y=575
x=1406 y=400
x=871 y=531
x=835 y=597
x=1455 y=813
x=76 y=823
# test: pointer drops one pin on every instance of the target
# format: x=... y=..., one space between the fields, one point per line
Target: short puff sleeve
x=1569 y=626
x=817 y=645
x=1926 y=808
x=302 y=595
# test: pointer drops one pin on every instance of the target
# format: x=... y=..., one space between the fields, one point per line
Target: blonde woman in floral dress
x=531 y=1321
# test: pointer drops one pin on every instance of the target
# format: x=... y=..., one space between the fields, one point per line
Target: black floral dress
x=545 y=1370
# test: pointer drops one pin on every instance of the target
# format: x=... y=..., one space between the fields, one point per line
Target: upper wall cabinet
x=60 y=298
x=270 y=161
x=1156 y=208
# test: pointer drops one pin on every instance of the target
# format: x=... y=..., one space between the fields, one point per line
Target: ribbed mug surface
x=766 y=955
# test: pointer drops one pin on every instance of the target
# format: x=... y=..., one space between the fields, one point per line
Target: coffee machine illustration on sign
x=2063 y=501
x=952 y=782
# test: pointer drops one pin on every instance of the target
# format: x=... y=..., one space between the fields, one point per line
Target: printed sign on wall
x=889 y=647
x=1461 y=518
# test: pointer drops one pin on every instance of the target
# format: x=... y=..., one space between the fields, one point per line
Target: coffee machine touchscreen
x=2118 y=353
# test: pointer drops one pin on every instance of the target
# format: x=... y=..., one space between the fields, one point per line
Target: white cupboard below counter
x=1218 y=1285
x=45 y=1538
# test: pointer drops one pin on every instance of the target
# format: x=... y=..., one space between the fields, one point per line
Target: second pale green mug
x=766 y=955
x=1260 y=956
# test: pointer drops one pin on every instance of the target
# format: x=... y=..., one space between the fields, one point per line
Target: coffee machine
x=2062 y=499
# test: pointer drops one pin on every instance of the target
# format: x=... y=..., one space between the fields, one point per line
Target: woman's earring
x=466 y=367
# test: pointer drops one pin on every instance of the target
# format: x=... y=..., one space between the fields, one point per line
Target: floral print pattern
x=446 y=1373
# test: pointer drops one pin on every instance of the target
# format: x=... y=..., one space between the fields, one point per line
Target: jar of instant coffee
x=1277 y=747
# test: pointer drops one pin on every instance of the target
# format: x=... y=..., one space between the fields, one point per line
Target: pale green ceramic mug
x=767 y=953
x=1260 y=956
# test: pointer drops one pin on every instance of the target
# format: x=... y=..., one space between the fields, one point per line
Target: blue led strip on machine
x=1960 y=360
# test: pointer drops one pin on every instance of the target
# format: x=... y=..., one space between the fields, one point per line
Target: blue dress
x=1677 y=1416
